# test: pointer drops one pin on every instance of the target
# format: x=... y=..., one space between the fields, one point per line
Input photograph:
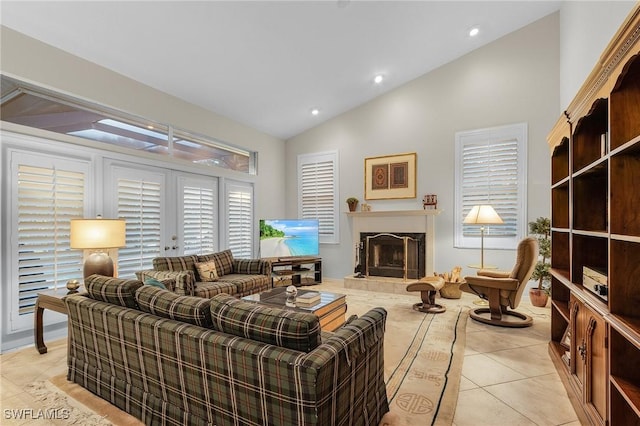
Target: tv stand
x=294 y=270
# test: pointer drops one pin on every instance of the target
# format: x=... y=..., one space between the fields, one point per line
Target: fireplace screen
x=393 y=255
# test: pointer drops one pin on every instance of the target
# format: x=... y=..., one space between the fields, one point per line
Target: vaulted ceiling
x=268 y=64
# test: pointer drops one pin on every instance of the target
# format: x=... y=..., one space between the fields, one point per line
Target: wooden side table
x=46 y=301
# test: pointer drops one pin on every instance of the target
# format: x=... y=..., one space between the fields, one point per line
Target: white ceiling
x=267 y=64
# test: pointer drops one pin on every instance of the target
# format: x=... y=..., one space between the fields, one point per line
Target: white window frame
x=208 y=227
x=248 y=235
x=321 y=206
x=17 y=158
x=491 y=138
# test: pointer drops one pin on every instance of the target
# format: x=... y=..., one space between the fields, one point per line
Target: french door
x=167 y=213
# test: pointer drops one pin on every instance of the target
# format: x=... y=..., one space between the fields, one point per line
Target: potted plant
x=353 y=203
x=541 y=230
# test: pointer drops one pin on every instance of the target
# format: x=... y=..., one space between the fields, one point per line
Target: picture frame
x=390 y=177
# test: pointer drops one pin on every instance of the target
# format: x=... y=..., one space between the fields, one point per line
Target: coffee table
x=331 y=308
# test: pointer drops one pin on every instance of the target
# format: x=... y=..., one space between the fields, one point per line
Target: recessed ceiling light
x=473 y=32
x=315 y=111
x=378 y=79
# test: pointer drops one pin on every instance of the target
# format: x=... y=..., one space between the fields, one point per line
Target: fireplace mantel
x=429 y=212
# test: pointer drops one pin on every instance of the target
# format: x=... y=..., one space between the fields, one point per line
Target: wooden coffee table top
x=278 y=297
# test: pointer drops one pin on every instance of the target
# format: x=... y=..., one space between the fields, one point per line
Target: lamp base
x=98 y=263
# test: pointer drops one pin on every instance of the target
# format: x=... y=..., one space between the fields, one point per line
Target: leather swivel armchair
x=504 y=289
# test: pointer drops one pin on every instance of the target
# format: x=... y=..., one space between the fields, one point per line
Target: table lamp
x=98 y=235
x=482 y=215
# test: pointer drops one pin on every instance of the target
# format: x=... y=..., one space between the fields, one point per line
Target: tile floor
x=507 y=377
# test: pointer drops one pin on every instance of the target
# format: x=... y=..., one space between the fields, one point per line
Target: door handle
x=582 y=350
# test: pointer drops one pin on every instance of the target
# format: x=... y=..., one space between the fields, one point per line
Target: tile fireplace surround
x=393 y=222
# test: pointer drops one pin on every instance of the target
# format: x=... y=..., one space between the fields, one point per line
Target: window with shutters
x=48 y=192
x=318 y=192
x=198 y=216
x=491 y=169
x=239 y=201
x=140 y=202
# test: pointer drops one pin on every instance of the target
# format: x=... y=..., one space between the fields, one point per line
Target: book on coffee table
x=308 y=298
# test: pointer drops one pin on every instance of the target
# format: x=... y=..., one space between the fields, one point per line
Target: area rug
x=423 y=356
x=423 y=365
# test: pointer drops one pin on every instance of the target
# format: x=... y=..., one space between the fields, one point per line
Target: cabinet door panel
x=596 y=367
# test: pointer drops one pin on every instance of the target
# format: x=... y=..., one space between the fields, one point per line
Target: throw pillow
x=207 y=271
x=155 y=283
x=163 y=303
x=299 y=331
x=113 y=290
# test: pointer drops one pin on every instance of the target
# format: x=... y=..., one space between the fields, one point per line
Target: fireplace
x=392 y=254
x=415 y=224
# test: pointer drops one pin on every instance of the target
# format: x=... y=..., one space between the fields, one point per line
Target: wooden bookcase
x=595 y=220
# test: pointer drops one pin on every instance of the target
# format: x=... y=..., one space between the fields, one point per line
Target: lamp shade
x=97 y=233
x=483 y=215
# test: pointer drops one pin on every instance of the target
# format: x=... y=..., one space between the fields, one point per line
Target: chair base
x=428 y=308
x=524 y=320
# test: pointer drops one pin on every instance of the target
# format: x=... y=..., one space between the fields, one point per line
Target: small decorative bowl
x=73 y=285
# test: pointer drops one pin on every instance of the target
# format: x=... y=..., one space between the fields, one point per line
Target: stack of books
x=308 y=298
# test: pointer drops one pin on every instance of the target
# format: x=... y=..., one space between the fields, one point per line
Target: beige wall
x=514 y=79
x=586 y=27
x=33 y=61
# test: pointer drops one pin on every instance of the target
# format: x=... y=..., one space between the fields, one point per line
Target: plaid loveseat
x=183 y=360
x=237 y=277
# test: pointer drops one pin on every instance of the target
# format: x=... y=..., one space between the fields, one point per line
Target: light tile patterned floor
x=507 y=376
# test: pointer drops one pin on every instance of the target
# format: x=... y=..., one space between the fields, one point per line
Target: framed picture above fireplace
x=390 y=177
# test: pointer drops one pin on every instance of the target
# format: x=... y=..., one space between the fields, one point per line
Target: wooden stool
x=428 y=286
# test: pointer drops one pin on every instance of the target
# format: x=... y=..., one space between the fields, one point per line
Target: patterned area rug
x=423 y=355
x=423 y=364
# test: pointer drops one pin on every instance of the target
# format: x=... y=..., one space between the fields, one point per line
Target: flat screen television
x=285 y=238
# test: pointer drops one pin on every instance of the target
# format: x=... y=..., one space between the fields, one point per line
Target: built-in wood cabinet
x=595 y=223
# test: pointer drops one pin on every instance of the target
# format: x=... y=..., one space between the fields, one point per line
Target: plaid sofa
x=237 y=277
x=181 y=360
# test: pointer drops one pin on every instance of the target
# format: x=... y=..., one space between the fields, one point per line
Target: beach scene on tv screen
x=290 y=237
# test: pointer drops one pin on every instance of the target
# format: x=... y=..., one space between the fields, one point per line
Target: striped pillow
x=167 y=304
x=113 y=290
x=289 y=329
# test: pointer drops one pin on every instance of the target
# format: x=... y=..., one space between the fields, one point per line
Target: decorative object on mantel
x=452 y=281
x=430 y=201
x=365 y=207
x=390 y=177
x=352 y=202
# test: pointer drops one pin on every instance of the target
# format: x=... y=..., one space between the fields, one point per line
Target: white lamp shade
x=483 y=215
x=98 y=233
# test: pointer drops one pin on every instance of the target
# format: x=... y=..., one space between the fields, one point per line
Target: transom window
x=34 y=107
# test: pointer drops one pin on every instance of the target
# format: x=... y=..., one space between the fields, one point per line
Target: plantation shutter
x=199 y=217
x=317 y=192
x=140 y=204
x=240 y=219
x=49 y=192
x=490 y=176
x=491 y=169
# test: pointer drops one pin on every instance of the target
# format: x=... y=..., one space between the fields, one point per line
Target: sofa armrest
x=181 y=282
x=350 y=369
x=252 y=266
